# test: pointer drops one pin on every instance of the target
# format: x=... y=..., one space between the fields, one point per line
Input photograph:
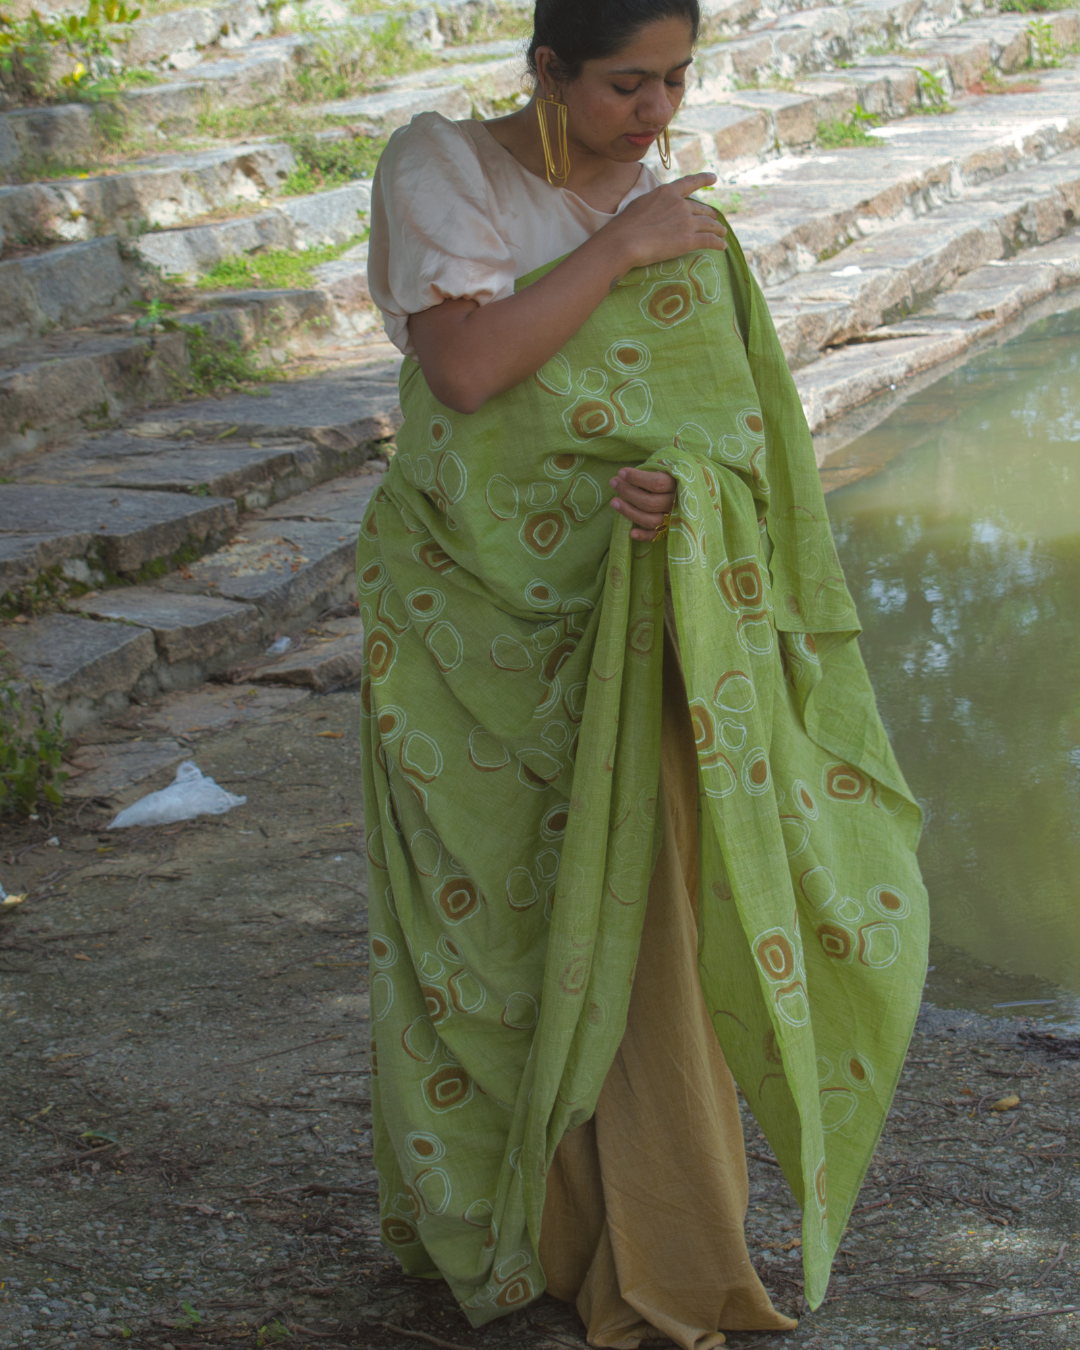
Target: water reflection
x=964 y=558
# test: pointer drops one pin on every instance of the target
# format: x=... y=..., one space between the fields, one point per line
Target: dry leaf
x=10 y=901
x=81 y=956
x=1009 y=1103
x=330 y=735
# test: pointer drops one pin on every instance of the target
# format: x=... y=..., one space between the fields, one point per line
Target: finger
x=646 y=501
x=651 y=480
x=649 y=520
x=693 y=182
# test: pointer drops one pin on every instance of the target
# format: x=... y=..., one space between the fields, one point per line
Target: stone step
x=896 y=271
x=330 y=217
x=63 y=287
x=157 y=192
x=50 y=535
x=70 y=382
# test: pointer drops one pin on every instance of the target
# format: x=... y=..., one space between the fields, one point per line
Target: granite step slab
x=71 y=382
x=63 y=287
x=157 y=192
x=254 y=475
x=331 y=217
x=94 y=535
x=291 y=570
x=343 y=409
x=334 y=661
x=104 y=770
x=196 y=636
x=383 y=113
x=343 y=500
x=85 y=668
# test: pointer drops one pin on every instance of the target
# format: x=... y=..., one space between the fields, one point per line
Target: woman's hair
x=584 y=30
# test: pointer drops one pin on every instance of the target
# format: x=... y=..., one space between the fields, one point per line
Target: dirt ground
x=185 y=1160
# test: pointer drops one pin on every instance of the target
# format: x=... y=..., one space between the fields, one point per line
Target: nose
x=656 y=107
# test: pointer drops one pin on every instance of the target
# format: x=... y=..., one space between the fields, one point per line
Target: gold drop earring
x=663 y=148
x=556 y=176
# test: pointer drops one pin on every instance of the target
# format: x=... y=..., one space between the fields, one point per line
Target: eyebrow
x=636 y=70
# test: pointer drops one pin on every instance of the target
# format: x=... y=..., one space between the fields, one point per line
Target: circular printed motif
x=486 y=752
x=858 y=1071
x=575 y=975
x=668 y=303
x=371 y=578
x=521 y=892
x=446 y=645
x=796 y=834
x=447 y=1088
x=398 y=1232
x=629 y=357
x=420 y=1040
x=800 y=795
x=553 y=826
x=438 y=1009
x=383 y=951
x=382 y=652
x=433 y=1187
x=818 y=885
x=732 y=734
x=540 y=494
x=844 y=784
x=425 y=603
x=521 y=1012
x=694 y=440
x=391 y=722
x=458 y=899
x=879 y=944
x=516 y=1291
x=775 y=954
x=848 y=909
x=466 y=992
x=755 y=633
x=426 y=849
x=820 y=1190
x=751 y=423
x=705 y=278
x=449 y=950
x=735 y=692
x=593 y=381
x=740 y=585
x=836 y=941
x=583 y=498
x=543 y=531
x=756 y=778
x=588 y=418
x=563 y=464
x=556 y=376
x=791 y=1004
x=502 y=497
x=382 y=995
x=420 y=757
x=634 y=402
x=440 y=429
x=507 y=653
x=890 y=901
x=479 y=1213
x=838 y=1105
x=431 y=555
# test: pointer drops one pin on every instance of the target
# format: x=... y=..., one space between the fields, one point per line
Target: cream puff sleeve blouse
x=454 y=215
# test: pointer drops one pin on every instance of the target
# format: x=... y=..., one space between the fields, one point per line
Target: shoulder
x=433 y=143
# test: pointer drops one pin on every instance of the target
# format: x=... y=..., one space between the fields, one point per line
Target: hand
x=665 y=224
x=645 y=498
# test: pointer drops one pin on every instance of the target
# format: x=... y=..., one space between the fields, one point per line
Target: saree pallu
x=511 y=742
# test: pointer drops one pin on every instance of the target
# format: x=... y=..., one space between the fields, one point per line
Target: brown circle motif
x=845 y=784
x=398 y=1232
x=668 y=303
x=543 y=531
x=775 y=956
x=381 y=653
x=448 y=1087
x=435 y=1001
x=590 y=418
x=836 y=941
x=459 y=899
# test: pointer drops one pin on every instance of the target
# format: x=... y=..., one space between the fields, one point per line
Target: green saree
x=511 y=758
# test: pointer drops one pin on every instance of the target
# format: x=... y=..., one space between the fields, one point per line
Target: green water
x=963 y=555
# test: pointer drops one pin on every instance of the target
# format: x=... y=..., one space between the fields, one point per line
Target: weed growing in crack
x=32 y=746
x=216 y=363
x=854 y=130
x=276 y=268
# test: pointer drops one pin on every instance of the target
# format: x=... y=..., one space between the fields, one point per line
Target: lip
x=646 y=138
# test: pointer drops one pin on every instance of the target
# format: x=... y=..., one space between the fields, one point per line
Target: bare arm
x=470 y=352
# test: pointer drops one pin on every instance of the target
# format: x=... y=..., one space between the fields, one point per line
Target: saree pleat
x=643 y=1223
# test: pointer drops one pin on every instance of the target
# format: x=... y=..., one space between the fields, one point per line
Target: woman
x=628 y=798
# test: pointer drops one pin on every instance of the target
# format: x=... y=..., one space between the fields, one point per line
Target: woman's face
x=619 y=104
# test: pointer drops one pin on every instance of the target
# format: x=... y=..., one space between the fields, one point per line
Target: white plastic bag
x=188 y=796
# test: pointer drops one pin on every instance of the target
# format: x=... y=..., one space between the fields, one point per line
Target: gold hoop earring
x=563 y=171
x=663 y=148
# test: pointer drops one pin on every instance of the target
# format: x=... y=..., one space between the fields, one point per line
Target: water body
x=963 y=555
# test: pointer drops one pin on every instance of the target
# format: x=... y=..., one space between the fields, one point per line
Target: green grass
x=327 y=164
x=275 y=269
x=837 y=135
x=1034 y=6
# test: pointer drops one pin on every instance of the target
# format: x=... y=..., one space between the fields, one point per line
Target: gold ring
x=663 y=527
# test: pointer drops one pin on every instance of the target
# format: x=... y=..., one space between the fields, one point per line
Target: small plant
x=343 y=63
x=29 y=48
x=32 y=745
x=933 y=96
x=152 y=319
x=272 y=1333
x=726 y=203
x=326 y=164
x=1044 y=51
x=216 y=363
x=852 y=131
x=1033 y=6
x=191 y=1318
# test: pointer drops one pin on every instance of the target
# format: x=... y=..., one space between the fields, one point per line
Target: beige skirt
x=643 y=1223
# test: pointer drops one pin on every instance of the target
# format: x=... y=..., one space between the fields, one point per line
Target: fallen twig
x=423 y=1336
x=1052 y=1266
x=764 y=1158
x=1024 y=1317
x=272 y=1054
